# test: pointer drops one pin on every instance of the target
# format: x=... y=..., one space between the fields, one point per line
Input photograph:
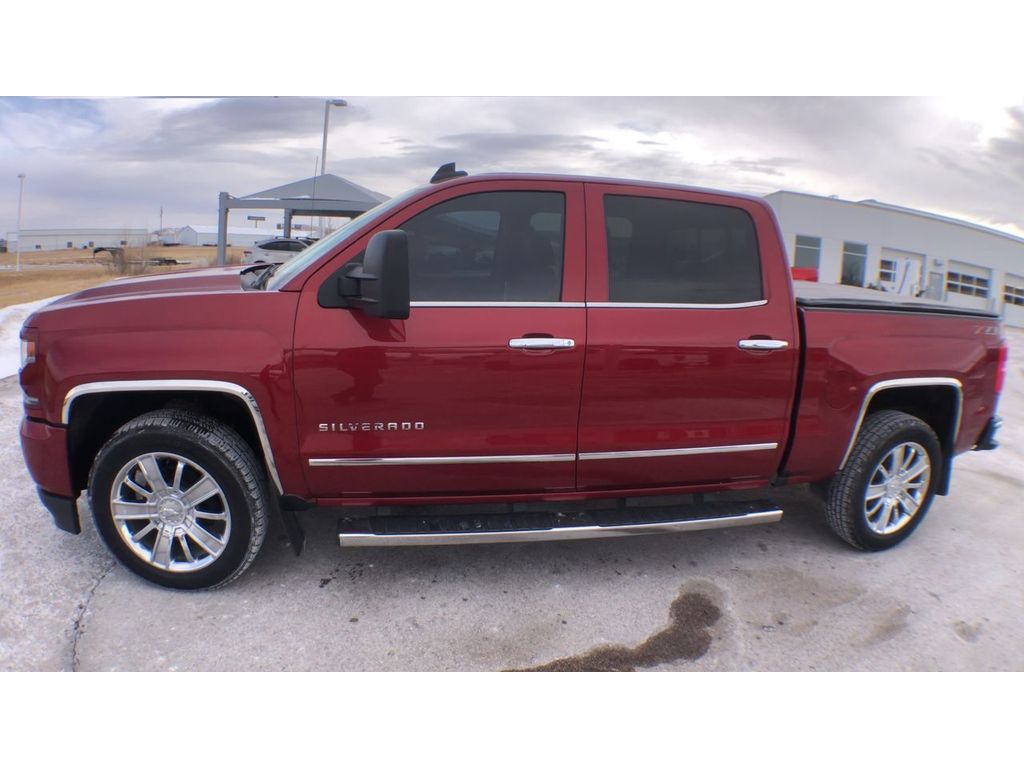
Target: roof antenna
x=445 y=172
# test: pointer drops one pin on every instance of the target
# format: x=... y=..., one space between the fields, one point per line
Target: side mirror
x=380 y=287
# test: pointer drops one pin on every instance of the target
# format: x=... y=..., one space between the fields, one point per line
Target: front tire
x=180 y=499
x=888 y=482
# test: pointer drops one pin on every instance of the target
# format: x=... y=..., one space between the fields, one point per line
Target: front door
x=901 y=271
x=691 y=357
x=477 y=392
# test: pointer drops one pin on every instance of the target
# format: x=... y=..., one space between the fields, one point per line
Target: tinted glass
x=854 y=266
x=677 y=252
x=489 y=246
x=807 y=252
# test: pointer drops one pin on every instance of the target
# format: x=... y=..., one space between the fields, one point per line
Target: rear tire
x=885 y=489
x=180 y=499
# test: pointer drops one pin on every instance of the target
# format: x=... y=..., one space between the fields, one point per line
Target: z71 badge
x=373 y=426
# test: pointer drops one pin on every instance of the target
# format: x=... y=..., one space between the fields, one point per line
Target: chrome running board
x=496 y=529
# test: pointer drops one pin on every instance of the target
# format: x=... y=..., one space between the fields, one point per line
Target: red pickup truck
x=508 y=341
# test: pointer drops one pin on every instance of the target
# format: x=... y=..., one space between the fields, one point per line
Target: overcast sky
x=114 y=162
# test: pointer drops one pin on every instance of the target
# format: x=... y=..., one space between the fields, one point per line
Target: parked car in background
x=275 y=250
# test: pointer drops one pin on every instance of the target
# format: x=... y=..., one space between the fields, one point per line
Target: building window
x=92 y=244
x=70 y=244
x=1013 y=290
x=967 y=285
x=124 y=242
x=887 y=271
x=807 y=252
x=855 y=261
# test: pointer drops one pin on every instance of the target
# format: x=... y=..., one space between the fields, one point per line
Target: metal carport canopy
x=324 y=195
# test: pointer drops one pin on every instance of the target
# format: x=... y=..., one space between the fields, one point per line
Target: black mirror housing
x=383 y=279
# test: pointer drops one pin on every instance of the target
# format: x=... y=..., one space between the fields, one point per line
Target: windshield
x=303 y=259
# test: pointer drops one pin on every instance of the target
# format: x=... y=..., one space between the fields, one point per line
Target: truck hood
x=213 y=280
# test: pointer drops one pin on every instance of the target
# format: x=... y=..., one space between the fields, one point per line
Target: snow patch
x=11 y=320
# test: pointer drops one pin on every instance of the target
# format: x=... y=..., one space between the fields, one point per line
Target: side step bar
x=404 y=531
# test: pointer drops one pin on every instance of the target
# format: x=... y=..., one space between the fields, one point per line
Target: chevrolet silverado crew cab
x=520 y=345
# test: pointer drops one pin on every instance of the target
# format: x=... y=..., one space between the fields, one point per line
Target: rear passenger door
x=691 y=356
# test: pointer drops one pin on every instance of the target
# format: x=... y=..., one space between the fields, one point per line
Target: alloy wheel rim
x=170 y=512
x=897 y=488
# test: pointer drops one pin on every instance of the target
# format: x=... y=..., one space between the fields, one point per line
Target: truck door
x=478 y=391
x=691 y=357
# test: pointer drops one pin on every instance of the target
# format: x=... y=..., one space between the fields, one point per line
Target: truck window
x=677 y=252
x=488 y=246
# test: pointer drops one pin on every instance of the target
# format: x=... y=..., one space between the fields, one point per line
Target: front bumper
x=987 y=440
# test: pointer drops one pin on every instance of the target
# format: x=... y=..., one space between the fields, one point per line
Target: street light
x=323 y=152
x=327 y=114
x=21 y=192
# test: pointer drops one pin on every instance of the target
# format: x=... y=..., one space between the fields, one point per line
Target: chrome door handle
x=541 y=342
x=762 y=344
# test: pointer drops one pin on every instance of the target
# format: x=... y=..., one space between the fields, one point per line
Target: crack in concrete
x=77 y=628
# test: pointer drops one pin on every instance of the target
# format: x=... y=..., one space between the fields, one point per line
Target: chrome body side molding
x=539 y=457
x=189 y=385
x=428 y=460
x=678 y=451
x=936 y=381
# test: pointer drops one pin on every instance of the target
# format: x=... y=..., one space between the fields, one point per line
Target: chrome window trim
x=538 y=457
x=429 y=460
x=532 y=304
x=645 y=305
x=190 y=385
x=662 y=452
x=928 y=381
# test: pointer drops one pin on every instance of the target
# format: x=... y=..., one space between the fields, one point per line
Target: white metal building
x=194 y=234
x=59 y=239
x=905 y=251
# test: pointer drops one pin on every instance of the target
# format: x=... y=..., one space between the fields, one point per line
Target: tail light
x=1001 y=370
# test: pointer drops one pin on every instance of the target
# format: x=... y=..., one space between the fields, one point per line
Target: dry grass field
x=51 y=273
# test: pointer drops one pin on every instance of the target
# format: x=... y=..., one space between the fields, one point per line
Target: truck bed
x=825 y=296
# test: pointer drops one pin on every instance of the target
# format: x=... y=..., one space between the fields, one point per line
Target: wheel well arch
x=94 y=412
x=938 y=402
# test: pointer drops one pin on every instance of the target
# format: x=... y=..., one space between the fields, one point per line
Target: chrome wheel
x=170 y=512
x=897 y=488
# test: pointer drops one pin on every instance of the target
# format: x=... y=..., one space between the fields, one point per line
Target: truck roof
x=565 y=177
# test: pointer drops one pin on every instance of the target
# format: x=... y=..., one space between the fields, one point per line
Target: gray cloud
x=115 y=162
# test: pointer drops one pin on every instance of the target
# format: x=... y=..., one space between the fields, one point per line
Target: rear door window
x=663 y=251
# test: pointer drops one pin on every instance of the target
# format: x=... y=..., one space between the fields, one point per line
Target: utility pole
x=21 y=192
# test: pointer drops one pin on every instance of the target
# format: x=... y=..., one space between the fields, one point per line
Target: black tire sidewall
x=910 y=433
x=156 y=440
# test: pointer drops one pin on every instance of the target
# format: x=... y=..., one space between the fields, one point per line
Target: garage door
x=968 y=285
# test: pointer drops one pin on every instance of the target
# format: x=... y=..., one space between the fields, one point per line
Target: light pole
x=21 y=192
x=323 y=152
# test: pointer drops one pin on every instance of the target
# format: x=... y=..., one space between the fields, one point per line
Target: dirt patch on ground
x=685 y=638
x=53 y=273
